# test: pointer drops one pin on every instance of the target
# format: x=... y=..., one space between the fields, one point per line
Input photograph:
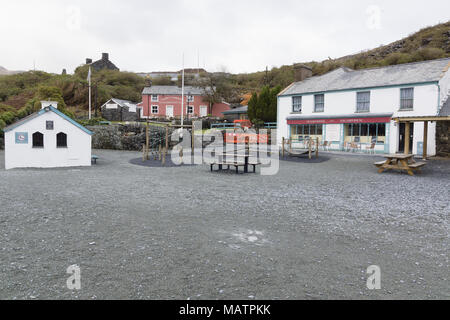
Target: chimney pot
x=105 y=56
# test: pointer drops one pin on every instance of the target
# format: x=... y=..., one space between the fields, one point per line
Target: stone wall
x=119 y=114
x=124 y=137
x=443 y=138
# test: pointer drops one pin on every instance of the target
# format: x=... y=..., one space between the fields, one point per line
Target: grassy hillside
x=19 y=92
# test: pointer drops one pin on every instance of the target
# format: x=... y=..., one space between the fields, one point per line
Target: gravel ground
x=310 y=232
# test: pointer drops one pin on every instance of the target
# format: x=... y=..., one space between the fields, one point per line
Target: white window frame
x=190 y=98
x=407 y=99
x=157 y=109
x=155 y=99
x=297 y=104
x=362 y=102
x=191 y=107
x=322 y=103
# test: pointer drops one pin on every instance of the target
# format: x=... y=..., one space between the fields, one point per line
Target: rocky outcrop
x=443 y=138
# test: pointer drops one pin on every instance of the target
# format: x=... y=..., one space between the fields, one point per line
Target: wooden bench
x=379 y=163
x=94 y=159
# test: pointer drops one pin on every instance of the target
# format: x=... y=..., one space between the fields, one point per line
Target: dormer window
x=154 y=98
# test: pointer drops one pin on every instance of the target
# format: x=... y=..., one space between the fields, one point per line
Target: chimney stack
x=88 y=60
x=105 y=56
x=301 y=72
x=45 y=104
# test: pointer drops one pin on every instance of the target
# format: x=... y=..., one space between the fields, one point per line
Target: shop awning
x=337 y=119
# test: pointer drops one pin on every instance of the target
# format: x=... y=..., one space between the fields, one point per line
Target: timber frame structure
x=425 y=119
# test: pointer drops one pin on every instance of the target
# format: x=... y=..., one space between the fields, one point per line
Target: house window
x=61 y=140
x=297 y=104
x=190 y=109
x=190 y=98
x=154 y=98
x=155 y=109
x=406 y=98
x=38 y=140
x=363 y=101
x=319 y=103
x=49 y=125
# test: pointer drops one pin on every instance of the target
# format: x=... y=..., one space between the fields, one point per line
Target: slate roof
x=173 y=90
x=238 y=110
x=345 y=78
x=41 y=112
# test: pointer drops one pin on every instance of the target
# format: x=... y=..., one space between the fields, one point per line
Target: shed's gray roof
x=175 y=90
x=345 y=78
x=237 y=110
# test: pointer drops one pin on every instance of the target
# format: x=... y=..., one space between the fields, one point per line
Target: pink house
x=165 y=101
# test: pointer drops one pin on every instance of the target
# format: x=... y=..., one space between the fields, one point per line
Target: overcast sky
x=236 y=36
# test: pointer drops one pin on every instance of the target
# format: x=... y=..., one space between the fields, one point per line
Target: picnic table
x=403 y=162
x=228 y=162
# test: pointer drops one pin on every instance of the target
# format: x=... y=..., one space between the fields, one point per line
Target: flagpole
x=90 y=115
x=182 y=95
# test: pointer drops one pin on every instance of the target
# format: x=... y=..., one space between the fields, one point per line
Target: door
x=203 y=111
x=401 y=137
x=169 y=111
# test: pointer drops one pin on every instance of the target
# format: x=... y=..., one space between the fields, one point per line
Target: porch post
x=407 y=133
x=425 y=139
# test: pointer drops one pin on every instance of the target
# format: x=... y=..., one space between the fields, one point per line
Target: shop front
x=367 y=134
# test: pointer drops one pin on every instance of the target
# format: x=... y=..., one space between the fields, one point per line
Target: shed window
x=190 y=98
x=190 y=110
x=319 y=103
x=154 y=97
x=297 y=104
x=406 y=98
x=49 y=125
x=38 y=140
x=363 y=101
x=61 y=140
x=155 y=109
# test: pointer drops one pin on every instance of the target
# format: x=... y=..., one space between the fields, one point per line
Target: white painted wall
x=382 y=100
x=77 y=153
x=444 y=85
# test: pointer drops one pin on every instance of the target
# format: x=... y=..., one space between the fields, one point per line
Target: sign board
x=333 y=132
x=340 y=120
x=21 y=137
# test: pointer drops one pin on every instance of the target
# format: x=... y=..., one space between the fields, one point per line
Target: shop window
x=61 y=140
x=38 y=140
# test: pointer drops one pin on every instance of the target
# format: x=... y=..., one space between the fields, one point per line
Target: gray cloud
x=243 y=36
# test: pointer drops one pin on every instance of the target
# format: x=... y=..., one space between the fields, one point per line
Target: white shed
x=47 y=139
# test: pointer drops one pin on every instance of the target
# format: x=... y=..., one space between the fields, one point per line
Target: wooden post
x=167 y=138
x=407 y=133
x=425 y=140
x=164 y=156
x=143 y=152
x=282 y=146
x=310 y=148
x=317 y=147
x=147 y=141
x=159 y=152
